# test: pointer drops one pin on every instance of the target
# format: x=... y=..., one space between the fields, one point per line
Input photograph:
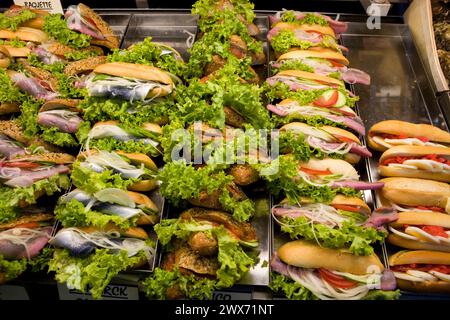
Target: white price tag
x=225 y=295
x=8 y=292
x=53 y=6
x=112 y=292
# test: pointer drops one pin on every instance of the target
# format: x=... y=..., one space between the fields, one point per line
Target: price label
x=111 y=292
x=225 y=295
x=52 y=6
x=8 y=292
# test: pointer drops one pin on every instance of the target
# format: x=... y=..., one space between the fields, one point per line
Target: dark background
x=342 y=6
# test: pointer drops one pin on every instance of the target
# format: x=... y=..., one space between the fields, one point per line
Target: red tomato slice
x=346 y=207
x=438 y=209
x=336 y=64
x=316 y=172
x=423 y=139
x=435 y=231
x=22 y=164
x=322 y=102
x=442 y=269
x=399 y=160
x=344 y=139
x=336 y=280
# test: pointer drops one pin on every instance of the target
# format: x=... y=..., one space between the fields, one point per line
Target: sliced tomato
x=423 y=139
x=437 y=158
x=22 y=164
x=316 y=172
x=442 y=268
x=344 y=139
x=423 y=267
x=324 y=102
x=438 y=209
x=336 y=280
x=399 y=160
x=394 y=136
x=336 y=64
x=346 y=207
x=435 y=231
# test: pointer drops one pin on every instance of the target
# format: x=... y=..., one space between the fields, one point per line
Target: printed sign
x=228 y=295
x=8 y=292
x=52 y=6
x=112 y=292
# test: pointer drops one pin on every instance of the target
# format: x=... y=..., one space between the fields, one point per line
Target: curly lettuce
x=13 y=22
x=309 y=18
x=74 y=214
x=358 y=239
x=111 y=144
x=284 y=40
x=151 y=54
x=11 y=269
x=56 y=27
x=94 y=271
x=56 y=137
x=12 y=197
x=9 y=92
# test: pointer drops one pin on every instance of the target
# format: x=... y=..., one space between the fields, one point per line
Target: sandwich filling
x=422 y=272
x=427 y=233
x=391 y=140
x=431 y=163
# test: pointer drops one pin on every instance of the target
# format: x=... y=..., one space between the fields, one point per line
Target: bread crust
x=84 y=65
x=17 y=52
x=142 y=199
x=388 y=171
x=133 y=232
x=419 y=257
x=425 y=286
x=25 y=34
x=415 y=244
x=137 y=71
x=422 y=218
x=306 y=27
x=352 y=201
x=310 y=76
x=299 y=54
x=57 y=158
x=414 y=151
x=7 y=108
x=411 y=129
x=416 y=192
x=70 y=104
x=306 y=254
x=334 y=165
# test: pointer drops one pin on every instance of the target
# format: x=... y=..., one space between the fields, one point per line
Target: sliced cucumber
x=341 y=101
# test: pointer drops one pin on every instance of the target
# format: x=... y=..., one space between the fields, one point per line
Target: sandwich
x=122 y=208
x=387 y=134
x=26 y=178
x=346 y=222
x=60 y=120
x=422 y=270
x=13 y=141
x=322 y=61
x=53 y=51
x=301 y=80
x=421 y=231
x=22 y=240
x=153 y=54
x=310 y=31
x=24 y=34
x=129 y=81
x=99 y=169
x=88 y=258
x=38 y=83
x=411 y=194
x=203 y=249
x=305 y=271
x=83 y=19
x=24 y=17
x=329 y=110
x=301 y=17
x=327 y=139
x=206 y=186
x=112 y=135
x=422 y=162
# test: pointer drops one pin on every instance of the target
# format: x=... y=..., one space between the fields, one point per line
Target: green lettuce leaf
x=12 y=268
x=56 y=137
x=315 y=121
x=15 y=42
x=40 y=262
x=357 y=239
x=92 y=182
x=293 y=64
x=28 y=117
x=56 y=27
x=149 y=53
x=13 y=22
x=291 y=289
x=204 y=8
x=111 y=144
x=310 y=18
x=11 y=197
x=94 y=271
x=157 y=285
x=286 y=39
x=383 y=295
x=80 y=55
x=73 y=214
x=234 y=262
x=8 y=91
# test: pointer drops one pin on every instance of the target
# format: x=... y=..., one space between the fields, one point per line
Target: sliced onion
x=421 y=274
x=440 y=275
x=401 y=234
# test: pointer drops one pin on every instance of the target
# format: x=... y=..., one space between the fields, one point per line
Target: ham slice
x=359 y=185
x=21 y=243
x=8 y=149
x=337 y=26
x=278 y=266
x=33 y=87
x=354 y=123
x=69 y=125
x=75 y=21
x=360 y=150
x=26 y=178
x=353 y=76
x=381 y=216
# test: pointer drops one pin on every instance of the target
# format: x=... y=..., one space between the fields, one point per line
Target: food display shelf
x=399 y=90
